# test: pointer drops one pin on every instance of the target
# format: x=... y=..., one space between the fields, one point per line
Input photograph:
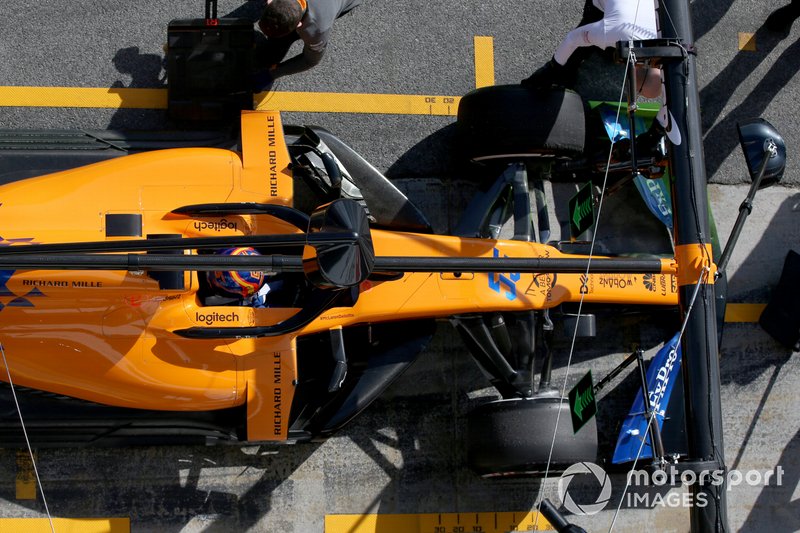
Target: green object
x=581 y=211
x=582 y=404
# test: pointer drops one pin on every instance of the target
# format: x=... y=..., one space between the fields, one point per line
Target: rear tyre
x=510 y=121
x=514 y=437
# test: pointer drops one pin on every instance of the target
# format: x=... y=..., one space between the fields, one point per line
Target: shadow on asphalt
x=721 y=137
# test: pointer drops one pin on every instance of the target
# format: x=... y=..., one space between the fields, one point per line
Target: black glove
x=551 y=73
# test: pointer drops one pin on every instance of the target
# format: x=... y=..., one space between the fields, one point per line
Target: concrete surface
x=406 y=454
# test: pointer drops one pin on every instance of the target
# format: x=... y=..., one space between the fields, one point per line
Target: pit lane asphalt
x=404 y=454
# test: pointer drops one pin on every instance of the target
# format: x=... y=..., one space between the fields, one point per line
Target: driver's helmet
x=242 y=283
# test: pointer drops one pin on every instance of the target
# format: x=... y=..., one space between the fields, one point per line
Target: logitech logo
x=210 y=318
x=218 y=225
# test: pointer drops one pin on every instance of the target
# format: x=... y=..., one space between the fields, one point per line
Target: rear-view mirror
x=763 y=147
x=339 y=252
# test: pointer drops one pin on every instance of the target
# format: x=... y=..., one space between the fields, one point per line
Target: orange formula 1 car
x=114 y=331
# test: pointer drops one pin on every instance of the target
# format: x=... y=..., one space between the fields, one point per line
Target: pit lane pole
x=692 y=243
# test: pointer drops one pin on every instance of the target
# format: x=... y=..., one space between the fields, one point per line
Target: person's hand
x=262 y=80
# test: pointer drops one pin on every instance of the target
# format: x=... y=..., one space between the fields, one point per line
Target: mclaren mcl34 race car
x=270 y=287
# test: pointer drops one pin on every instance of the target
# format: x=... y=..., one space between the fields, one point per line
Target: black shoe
x=549 y=74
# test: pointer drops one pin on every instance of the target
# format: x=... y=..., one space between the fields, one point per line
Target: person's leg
x=591 y=14
x=562 y=69
x=581 y=37
x=648 y=81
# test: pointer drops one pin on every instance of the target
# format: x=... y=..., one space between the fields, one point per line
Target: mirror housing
x=760 y=140
x=339 y=251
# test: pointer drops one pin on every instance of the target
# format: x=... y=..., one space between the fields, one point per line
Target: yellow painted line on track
x=435 y=523
x=392 y=104
x=484 y=61
x=66 y=525
x=26 y=477
x=91 y=97
x=314 y=102
x=743 y=312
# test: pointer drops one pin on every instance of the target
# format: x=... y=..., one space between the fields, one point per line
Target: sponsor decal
x=218 y=225
x=587 y=284
x=337 y=316
x=82 y=284
x=273 y=156
x=277 y=394
x=617 y=281
x=661 y=376
x=214 y=316
x=500 y=283
x=662 y=283
x=543 y=284
x=663 y=379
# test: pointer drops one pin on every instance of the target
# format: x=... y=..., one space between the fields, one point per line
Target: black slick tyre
x=510 y=121
x=514 y=437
